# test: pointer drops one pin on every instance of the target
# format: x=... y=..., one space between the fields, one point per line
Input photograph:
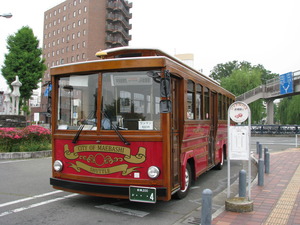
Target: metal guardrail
x=275 y=129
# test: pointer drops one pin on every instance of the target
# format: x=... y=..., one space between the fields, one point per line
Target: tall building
x=76 y=29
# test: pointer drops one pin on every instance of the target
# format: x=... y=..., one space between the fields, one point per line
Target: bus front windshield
x=130 y=101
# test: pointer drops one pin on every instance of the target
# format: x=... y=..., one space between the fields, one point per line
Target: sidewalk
x=278 y=201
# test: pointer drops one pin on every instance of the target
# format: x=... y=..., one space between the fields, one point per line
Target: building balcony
x=119 y=6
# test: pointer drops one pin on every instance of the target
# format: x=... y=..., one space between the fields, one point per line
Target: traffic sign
x=286 y=83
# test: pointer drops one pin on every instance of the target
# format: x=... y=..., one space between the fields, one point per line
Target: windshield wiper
x=91 y=115
x=78 y=133
x=117 y=131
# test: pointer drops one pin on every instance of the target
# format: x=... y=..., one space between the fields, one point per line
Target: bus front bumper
x=98 y=189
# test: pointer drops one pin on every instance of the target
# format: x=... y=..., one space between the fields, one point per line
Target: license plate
x=142 y=194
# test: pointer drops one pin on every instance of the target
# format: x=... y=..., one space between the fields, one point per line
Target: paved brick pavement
x=278 y=201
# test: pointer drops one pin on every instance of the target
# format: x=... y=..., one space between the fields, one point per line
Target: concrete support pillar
x=270 y=112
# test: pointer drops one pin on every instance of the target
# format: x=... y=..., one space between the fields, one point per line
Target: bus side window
x=199 y=97
x=206 y=103
x=220 y=109
x=190 y=100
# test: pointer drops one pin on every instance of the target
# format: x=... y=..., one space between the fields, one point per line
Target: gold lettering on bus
x=140 y=157
x=103 y=171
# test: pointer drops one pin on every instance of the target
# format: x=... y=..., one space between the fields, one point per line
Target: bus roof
x=134 y=53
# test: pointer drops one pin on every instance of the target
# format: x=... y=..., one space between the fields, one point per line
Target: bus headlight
x=153 y=172
x=58 y=166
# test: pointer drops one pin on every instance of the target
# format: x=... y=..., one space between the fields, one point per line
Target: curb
x=25 y=155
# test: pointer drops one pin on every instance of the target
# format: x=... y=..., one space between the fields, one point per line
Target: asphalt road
x=27 y=198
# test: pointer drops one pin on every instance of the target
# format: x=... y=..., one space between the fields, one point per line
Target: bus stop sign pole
x=239 y=139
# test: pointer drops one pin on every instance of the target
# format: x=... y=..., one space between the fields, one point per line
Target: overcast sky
x=263 y=32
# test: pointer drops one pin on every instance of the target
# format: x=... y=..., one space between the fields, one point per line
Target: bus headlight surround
x=153 y=172
x=58 y=165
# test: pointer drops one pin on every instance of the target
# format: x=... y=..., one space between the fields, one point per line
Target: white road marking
x=126 y=211
x=36 y=205
x=30 y=198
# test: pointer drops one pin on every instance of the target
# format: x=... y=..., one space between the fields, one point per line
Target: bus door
x=175 y=161
x=213 y=128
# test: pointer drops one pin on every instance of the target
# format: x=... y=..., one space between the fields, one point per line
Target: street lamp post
x=6 y=15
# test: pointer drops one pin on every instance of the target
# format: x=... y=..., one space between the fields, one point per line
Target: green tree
x=242 y=80
x=223 y=70
x=288 y=110
x=24 y=59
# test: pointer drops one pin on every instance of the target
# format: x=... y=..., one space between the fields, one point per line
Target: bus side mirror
x=165 y=106
x=165 y=85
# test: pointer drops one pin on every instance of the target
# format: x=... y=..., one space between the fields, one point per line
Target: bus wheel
x=188 y=182
x=221 y=163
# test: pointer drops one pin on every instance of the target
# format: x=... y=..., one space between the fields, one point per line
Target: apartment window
x=75 y=3
x=83 y=44
x=79 y=11
x=85 y=9
x=84 y=20
x=78 y=45
x=74 y=14
x=73 y=47
x=83 y=55
x=78 y=34
x=73 y=36
x=79 y=22
x=65 y=8
x=64 y=18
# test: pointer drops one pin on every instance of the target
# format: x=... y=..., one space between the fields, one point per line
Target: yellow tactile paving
x=280 y=214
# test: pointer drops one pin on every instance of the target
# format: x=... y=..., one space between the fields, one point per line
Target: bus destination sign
x=142 y=194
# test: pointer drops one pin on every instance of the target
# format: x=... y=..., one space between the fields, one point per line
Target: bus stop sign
x=239 y=112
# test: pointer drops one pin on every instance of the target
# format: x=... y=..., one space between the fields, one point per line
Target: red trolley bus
x=136 y=124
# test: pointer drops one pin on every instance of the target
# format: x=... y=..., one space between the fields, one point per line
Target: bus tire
x=188 y=182
x=219 y=166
